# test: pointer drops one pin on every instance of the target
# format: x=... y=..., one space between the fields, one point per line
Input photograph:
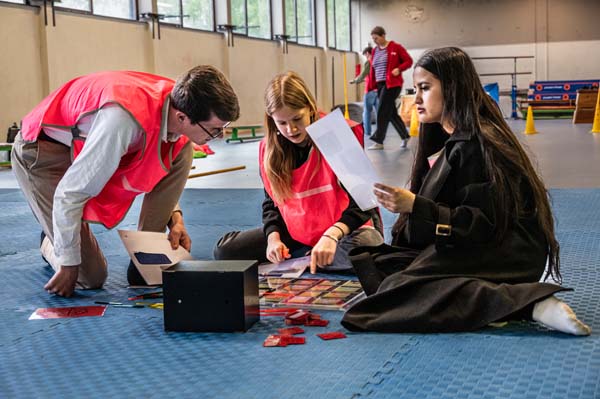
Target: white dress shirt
x=110 y=133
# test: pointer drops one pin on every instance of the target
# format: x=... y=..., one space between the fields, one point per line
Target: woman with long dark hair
x=476 y=231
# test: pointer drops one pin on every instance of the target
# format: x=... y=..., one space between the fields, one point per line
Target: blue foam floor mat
x=126 y=353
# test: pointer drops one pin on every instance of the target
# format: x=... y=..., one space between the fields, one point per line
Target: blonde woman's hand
x=276 y=249
x=396 y=71
x=322 y=253
x=394 y=199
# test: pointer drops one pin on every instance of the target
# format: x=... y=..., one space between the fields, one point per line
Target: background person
x=388 y=61
x=370 y=101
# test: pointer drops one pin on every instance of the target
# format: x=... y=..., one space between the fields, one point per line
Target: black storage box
x=211 y=296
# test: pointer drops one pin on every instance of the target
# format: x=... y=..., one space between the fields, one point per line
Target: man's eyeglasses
x=216 y=132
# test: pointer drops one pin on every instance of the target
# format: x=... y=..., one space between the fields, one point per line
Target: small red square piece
x=331 y=335
x=317 y=323
x=291 y=340
x=274 y=340
x=291 y=331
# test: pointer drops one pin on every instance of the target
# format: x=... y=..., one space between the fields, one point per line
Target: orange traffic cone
x=529 y=126
x=414 y=123
x=596 y=125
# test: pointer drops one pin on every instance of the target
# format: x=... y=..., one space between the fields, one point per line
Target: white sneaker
x=375 y=146
x=404 y=143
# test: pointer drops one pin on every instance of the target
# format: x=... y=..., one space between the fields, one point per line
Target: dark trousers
x=252 y=244
x=387 y=113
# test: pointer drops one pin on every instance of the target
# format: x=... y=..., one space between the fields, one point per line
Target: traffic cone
x=529 y=126
x=596 y=125
x=414 y=123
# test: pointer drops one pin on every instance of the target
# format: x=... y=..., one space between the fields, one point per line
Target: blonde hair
x=284 y=90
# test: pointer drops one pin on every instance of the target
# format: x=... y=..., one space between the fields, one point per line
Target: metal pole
x=513 y=92
x=332 y=81
x=315 y=69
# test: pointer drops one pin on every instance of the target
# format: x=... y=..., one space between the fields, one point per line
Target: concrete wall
x=563 y=36
x=38 y=58
x=24 y=81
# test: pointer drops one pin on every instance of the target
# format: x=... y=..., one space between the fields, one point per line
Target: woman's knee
x=223 y=249
x=366 y=237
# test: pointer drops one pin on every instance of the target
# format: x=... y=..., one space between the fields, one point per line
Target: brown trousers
x=39 y=166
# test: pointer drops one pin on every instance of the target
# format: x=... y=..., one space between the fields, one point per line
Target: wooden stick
x=214 y=172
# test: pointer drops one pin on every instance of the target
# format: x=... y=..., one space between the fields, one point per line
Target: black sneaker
x=133 y=275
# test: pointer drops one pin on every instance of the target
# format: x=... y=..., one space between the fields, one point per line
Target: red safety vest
x=142 y=95
x=318 y=199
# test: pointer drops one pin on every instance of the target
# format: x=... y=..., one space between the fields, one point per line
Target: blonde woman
x=306 y=209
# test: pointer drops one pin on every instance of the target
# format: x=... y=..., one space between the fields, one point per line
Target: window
x=109 y=8
x=252 y=17
x=198 y=14
x=338 y=24
x=115 y=8
x=299 y=21
x=83 y=5
x=170 y=11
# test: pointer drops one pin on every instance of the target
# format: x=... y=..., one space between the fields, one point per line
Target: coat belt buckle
x=443 y=229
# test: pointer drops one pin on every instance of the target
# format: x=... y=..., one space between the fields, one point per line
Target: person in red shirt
x=370 y=98
x=388 y=61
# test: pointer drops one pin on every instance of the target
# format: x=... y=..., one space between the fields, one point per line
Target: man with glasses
x=216 y=133
x=129 y=133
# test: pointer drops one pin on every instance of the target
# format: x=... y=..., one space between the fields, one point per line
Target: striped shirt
x=380 y=58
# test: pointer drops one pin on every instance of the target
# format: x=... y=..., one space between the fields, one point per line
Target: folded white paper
x=336 y=141
x=152 y=243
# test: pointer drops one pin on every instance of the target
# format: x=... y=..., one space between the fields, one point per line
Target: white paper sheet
x=336 y=141
x=290 y=268
x=155 y=243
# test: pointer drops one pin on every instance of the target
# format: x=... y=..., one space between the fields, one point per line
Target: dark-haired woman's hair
x=204 y=91
x=378 y=30
x=469 y=109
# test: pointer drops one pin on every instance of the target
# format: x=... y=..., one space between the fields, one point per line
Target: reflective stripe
x=128 y=187
x=314 y=191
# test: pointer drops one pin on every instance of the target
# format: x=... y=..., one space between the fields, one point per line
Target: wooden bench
x=236 y=129
x=5 y=147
